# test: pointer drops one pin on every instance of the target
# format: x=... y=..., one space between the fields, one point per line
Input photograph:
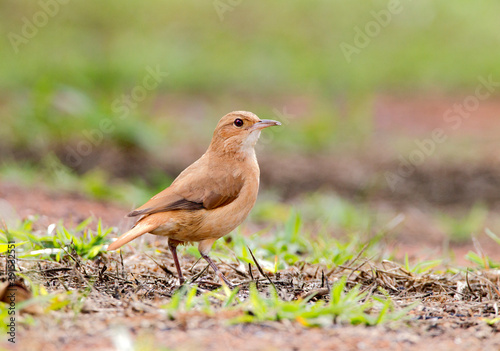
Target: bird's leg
x=204 y=248
x=216 y=270
x=172 y=245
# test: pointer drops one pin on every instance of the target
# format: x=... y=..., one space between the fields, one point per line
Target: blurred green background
x=66 y=69
x=255 y=56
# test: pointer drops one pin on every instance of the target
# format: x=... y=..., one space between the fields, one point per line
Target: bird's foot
x=226 y=281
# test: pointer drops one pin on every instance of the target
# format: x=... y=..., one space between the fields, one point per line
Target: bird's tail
x=135 y=232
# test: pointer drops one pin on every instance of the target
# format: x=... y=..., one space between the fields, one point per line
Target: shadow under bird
x=211 y=197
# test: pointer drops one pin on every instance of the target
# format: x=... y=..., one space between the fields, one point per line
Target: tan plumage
x=211 y=197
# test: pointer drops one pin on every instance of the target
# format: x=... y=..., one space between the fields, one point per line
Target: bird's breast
x=222 y=220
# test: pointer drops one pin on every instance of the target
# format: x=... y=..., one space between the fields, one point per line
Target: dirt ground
x=441 y=321
x=154 y=330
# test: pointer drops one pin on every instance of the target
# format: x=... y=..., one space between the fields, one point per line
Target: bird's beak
x=264 y=124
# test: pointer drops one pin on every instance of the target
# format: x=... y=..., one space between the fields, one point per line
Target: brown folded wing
x=195 y=194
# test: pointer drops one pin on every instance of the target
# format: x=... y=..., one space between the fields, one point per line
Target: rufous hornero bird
x=211 y=197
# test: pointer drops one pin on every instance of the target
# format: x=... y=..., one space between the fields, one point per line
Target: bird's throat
x=250 y=141
x=235 y=149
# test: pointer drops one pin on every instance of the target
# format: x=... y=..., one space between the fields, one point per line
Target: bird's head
x=238 y=132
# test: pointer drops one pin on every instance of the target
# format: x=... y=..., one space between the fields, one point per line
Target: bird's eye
x=238 y=122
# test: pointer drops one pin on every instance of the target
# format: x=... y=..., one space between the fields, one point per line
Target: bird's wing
x=194 y=191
